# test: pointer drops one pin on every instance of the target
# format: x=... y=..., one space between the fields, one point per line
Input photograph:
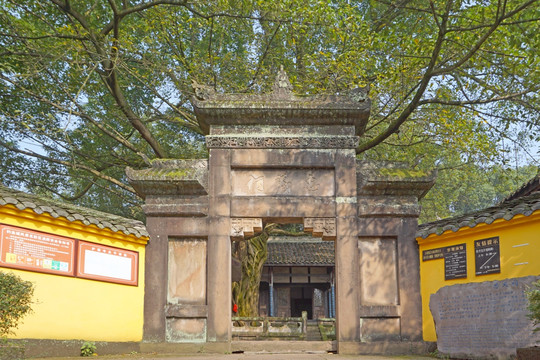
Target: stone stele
x=483 y=320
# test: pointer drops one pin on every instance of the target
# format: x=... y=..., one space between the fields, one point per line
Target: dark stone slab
x=479 y=320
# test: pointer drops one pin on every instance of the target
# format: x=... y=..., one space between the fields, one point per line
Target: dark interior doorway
x=299 y=305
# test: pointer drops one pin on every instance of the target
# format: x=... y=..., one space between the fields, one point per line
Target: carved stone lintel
x=321 y=227
x=279 y=142
x=242 y=227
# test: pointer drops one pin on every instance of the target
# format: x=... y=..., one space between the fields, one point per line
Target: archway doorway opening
x=295 y=291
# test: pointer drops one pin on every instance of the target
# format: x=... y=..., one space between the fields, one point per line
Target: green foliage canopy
x=90 y=87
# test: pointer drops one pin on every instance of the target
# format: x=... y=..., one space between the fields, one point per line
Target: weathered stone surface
x=324 y=228
x=240 y=228
x=290 y=158
x=281 y=142
x=392 y=178
x=283 y=182
x=170 y=177
x=186 y=330
x=487 y=319
x=377 y=329
x=187 y=271
x=283 y=207
x=186 y=311
x=378 y=271
x=280 y=107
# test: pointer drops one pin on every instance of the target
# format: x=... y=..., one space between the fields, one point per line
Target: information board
x=433 y=254
x=487 y=256
x=455 y=262
x=107 y=263
x=36 y=251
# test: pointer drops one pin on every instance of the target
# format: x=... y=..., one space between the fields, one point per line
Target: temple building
x=298 y=276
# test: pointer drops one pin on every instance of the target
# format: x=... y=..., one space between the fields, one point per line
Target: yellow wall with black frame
x=519 y=246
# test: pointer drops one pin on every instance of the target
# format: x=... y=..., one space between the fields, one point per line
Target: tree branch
x=394 y=125
x=69 y=165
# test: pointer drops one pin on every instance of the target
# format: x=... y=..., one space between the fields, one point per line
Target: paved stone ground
x=249 y=356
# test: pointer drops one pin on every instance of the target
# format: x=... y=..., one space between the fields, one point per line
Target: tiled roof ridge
x=506 y=210
x=56 y=209
x=528 y=186
x=305 y=238
x=304 y=253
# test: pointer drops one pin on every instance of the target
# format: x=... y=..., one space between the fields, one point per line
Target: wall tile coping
x=57 y=209
x=506 y=210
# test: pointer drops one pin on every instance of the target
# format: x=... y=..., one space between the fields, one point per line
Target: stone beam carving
x=321 y=227
x=278 y=142
x=242 y=227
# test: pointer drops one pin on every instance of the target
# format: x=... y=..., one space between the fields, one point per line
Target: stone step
x=284 y=346
x=313 y=333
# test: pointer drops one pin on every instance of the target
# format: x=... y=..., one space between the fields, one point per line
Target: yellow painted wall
x=73 y=308
x=517 y=259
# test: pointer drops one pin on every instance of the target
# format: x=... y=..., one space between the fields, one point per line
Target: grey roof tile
x=29 y=205
x=304 y=250
x=56 y=209
x=528 y=188
x=507 y=210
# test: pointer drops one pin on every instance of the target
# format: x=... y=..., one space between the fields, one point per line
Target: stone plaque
x=378 y=271
x=286 y=182
x=187 y=271
x=455 y=262
x=487 y=256
x=487 y=319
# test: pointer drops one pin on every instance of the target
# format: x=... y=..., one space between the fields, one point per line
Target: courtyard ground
x=249 y=356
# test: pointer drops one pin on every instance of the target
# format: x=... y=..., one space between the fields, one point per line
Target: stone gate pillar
x=346 y=249
x=219 y=246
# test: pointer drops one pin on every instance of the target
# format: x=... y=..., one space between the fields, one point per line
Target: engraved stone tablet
x=275 y=182
x=487 y=319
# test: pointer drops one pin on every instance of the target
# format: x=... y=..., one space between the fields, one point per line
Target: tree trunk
x=253 y=253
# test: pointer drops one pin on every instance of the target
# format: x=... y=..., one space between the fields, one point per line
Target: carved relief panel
x=283 y=182
x=324 y=228
x=242 y=227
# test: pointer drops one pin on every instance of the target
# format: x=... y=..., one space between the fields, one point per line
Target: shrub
x=15 y=301
x=533 y=296
x=88 y=348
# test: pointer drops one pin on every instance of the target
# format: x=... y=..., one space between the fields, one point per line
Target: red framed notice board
x=107 y=263
x=36 y=251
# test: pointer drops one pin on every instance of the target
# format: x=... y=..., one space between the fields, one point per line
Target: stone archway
x=273 y=157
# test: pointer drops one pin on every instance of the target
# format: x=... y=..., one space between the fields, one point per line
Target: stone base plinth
x=384 y=348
